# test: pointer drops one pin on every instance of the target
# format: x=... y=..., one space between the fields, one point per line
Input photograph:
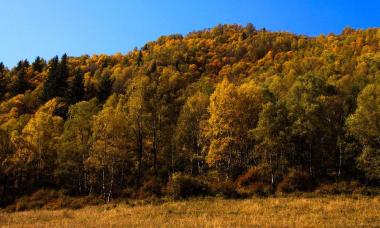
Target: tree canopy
x=217 y=104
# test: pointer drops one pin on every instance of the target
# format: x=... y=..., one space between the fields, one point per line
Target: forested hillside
x=231 y=106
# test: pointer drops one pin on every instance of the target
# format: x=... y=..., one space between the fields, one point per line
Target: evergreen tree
x=63 y=74
x=38 y=64
x=51 y=85
x=139 y=58
x=21 y=64
x=56 y=82
x=104 y=89
x=20 y=85
x=3 y=82
x=2 y=67
x=76 y=90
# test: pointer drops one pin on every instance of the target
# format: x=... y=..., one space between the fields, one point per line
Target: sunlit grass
x=337 y=211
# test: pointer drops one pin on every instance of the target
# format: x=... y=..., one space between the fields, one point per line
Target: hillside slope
x=261 y=110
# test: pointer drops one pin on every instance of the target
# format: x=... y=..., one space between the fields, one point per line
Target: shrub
x=150 y=188
x=257 y=188
x=226 y=189
x=256 y=181
x=58 y=203
x=37 y=200
x=6 y=200
x=128 y=193
x=342 y=187
x=184 y=186
x=255 y=174
x=76 y=203
x=295 y=181
x=22 y=204
x=261 y=189
x=44 y=195
x=52 y=200
x=369 y=191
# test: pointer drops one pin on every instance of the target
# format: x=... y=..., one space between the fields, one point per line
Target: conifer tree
x=20 y=85
x=104 y=88
x=3 y=82
x=51 y=85
x=63 y=74
x=2 y=67
x=76 y=90
x=38 y=64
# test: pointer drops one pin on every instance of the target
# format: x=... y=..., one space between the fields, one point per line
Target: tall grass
x=330 y=211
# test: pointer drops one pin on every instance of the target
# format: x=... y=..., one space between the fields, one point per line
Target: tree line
x=216 y=104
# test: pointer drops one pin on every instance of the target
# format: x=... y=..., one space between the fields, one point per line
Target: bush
x=79 y=202
x=256 y=181
x=6 y=200
x=53 y=200
x=257 y=188
x=295 y=181
x=22 y=204
x=369 y=191
x=37 y=200
x=128 y=192
x=150 y=188
x=255 y=174
x=342 y=187
x=226 y=189
x=261 y=189
x=58 y=203
x=44 y=195
x=184 y=186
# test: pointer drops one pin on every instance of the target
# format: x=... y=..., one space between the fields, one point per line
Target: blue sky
x=30 y=28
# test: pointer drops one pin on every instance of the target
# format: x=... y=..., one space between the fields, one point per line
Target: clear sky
x=30 y=28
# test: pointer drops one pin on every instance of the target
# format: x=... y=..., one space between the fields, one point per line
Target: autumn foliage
x=262 y=111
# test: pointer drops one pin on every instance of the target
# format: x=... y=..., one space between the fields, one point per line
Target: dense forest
x=236 y=107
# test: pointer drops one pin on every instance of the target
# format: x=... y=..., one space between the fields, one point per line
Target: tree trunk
x=103 y=184
x=155 y=145
x=111 y=183
x=140 y=150
x=340 y=161
x=310 y=161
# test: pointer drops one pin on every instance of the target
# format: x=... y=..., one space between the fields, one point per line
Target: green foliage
x=273 y=146
x=56 y=82
x=36 y=146
x=20 y=83
x=3 y=80
x=51 y=84
x=364 y=124
x=104 y=89
x=188 y=136
x=38 y=64
x=75 y=143
x=76 y=90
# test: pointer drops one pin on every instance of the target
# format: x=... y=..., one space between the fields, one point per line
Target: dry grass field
x=332 y=211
